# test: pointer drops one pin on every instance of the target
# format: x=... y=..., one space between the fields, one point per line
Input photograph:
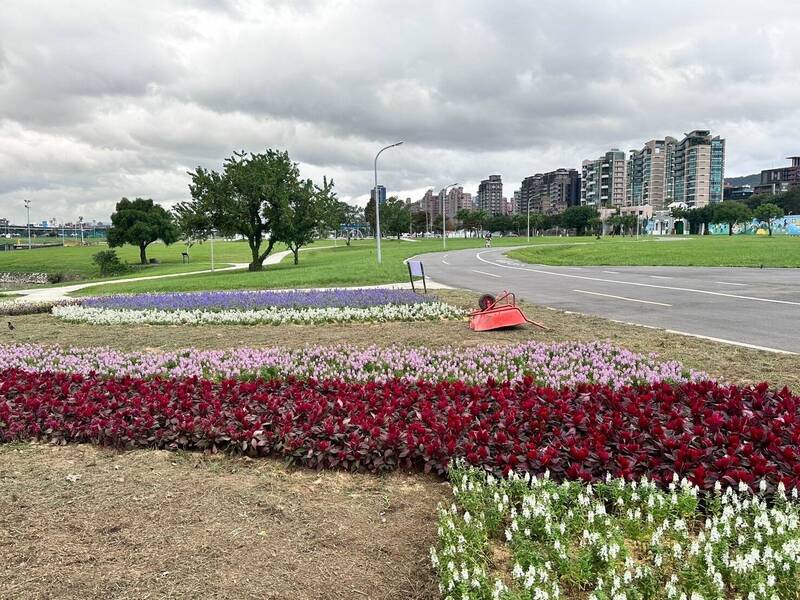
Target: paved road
x=753 y=307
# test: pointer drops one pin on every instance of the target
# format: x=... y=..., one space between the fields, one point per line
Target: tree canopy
x=766 y=213
x=578 y=218
x=732 y=213
x=141 y=222
x=249 y=197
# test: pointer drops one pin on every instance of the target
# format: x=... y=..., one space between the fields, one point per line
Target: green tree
x=463 y=216
x=731 y=213
x=304 y=214
x=395 y=217
x=578 y=218
x=419 y=221
x=248 y=198
x=767 y=212
x=789 y=201
x=141 y=222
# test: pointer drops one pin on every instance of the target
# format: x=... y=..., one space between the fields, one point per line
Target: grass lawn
x=697 y=251
x=340 y=266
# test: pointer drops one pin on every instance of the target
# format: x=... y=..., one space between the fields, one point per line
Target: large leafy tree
x=307 y=210
x=766 y=213
x=732 y=213
x=249 y=197
x=141 y=222
x=578 y=218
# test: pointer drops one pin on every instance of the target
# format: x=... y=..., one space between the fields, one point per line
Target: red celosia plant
x=704 y=431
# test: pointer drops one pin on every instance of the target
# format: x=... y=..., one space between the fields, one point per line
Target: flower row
x=261 y=316
x=26 y=306
x=704 y=431
x=615 y=539
x=252 y=300
x=551 y=365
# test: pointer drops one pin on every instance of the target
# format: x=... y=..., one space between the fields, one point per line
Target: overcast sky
x=100 y=100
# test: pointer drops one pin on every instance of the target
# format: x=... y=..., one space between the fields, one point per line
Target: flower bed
x=553 y=365
x=259 y=308
x=254 y=300
x=25 y=306
x=705 y=431
x=614 y=540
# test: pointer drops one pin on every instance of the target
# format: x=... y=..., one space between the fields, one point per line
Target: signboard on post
x=415 y=269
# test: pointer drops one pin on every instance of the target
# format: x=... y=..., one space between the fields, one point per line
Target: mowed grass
x=325 y=267
x=697 y=251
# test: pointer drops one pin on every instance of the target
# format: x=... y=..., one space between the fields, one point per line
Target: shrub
x=109 y=263
x=704 y=431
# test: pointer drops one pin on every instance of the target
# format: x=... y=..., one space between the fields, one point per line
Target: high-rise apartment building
x=490 y=195
x=649 y=173
x=604 y=180
x=550 y=193
x=457 y=200
x=776 y=181
x=381 y=194
x=698 y=169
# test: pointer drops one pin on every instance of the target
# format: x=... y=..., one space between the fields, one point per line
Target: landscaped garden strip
x=252 y=300
x=426 y=311
x=704 y=431
x=532 y=537
x=551 y=365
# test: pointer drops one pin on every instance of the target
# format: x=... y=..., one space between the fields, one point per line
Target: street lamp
x=80 y=222
x=212 y=250
x=528 y=203
x=28 y=209
x=444 y=218
x=377 y=203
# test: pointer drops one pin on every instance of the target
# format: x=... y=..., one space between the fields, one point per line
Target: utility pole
x=80 y=222
x=28 y=209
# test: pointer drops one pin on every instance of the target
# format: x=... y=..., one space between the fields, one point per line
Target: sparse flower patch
x=531 y=537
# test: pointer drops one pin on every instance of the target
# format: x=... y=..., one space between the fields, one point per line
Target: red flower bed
x=704 y=431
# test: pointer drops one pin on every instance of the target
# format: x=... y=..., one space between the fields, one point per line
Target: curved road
x=750 y=307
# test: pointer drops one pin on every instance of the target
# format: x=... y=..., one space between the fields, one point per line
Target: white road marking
x=612 y=272
x=485 y=273
x=444 y=261
x=729 y=283
x=733 y=343
x=622 y=298
x=650 y=285
x=659 y=277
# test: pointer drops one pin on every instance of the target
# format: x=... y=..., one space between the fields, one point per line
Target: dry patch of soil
x=85 y=522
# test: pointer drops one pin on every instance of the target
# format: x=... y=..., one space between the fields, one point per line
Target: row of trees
x=260 y=197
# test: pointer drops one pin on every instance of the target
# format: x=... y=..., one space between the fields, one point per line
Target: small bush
x=56 y=277
x=109 y=263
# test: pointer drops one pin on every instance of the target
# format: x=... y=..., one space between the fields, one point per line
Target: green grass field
x=76 y=261
x=341 y=266
x=696 y=251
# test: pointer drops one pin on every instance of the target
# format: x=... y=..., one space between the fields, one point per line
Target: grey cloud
x=100 y=100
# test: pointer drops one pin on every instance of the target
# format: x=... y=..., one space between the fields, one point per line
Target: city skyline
x=102 y=101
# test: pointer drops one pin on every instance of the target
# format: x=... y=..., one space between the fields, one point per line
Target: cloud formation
x=101 y=100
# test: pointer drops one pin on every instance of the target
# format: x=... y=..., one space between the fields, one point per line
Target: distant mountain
x=752 y=180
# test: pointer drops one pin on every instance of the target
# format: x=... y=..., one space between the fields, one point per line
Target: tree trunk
x=296 y=252
x=143 y=253
x=256 y=264
x=730 y=228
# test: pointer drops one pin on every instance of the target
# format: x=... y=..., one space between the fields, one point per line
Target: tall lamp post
x=377 y=202
x=444 y=217
x=80 y=222
x=528 y=203
x=28 y=209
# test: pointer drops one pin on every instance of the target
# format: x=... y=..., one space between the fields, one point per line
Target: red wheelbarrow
x=495 y=313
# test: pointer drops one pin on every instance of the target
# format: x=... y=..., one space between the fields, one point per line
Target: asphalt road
x=745 y=306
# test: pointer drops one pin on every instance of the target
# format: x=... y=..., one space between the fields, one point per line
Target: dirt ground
x=730 y=363
x=83 y=522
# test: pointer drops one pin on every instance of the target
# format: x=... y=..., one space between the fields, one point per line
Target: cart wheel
x=486 y=301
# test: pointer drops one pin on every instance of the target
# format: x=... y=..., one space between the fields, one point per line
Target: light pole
x=444 y=217
x=377 y=202
x=28 y=209
x=80 y=222
x=528 y=203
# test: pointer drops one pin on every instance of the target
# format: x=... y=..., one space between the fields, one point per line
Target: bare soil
x=85 y=522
